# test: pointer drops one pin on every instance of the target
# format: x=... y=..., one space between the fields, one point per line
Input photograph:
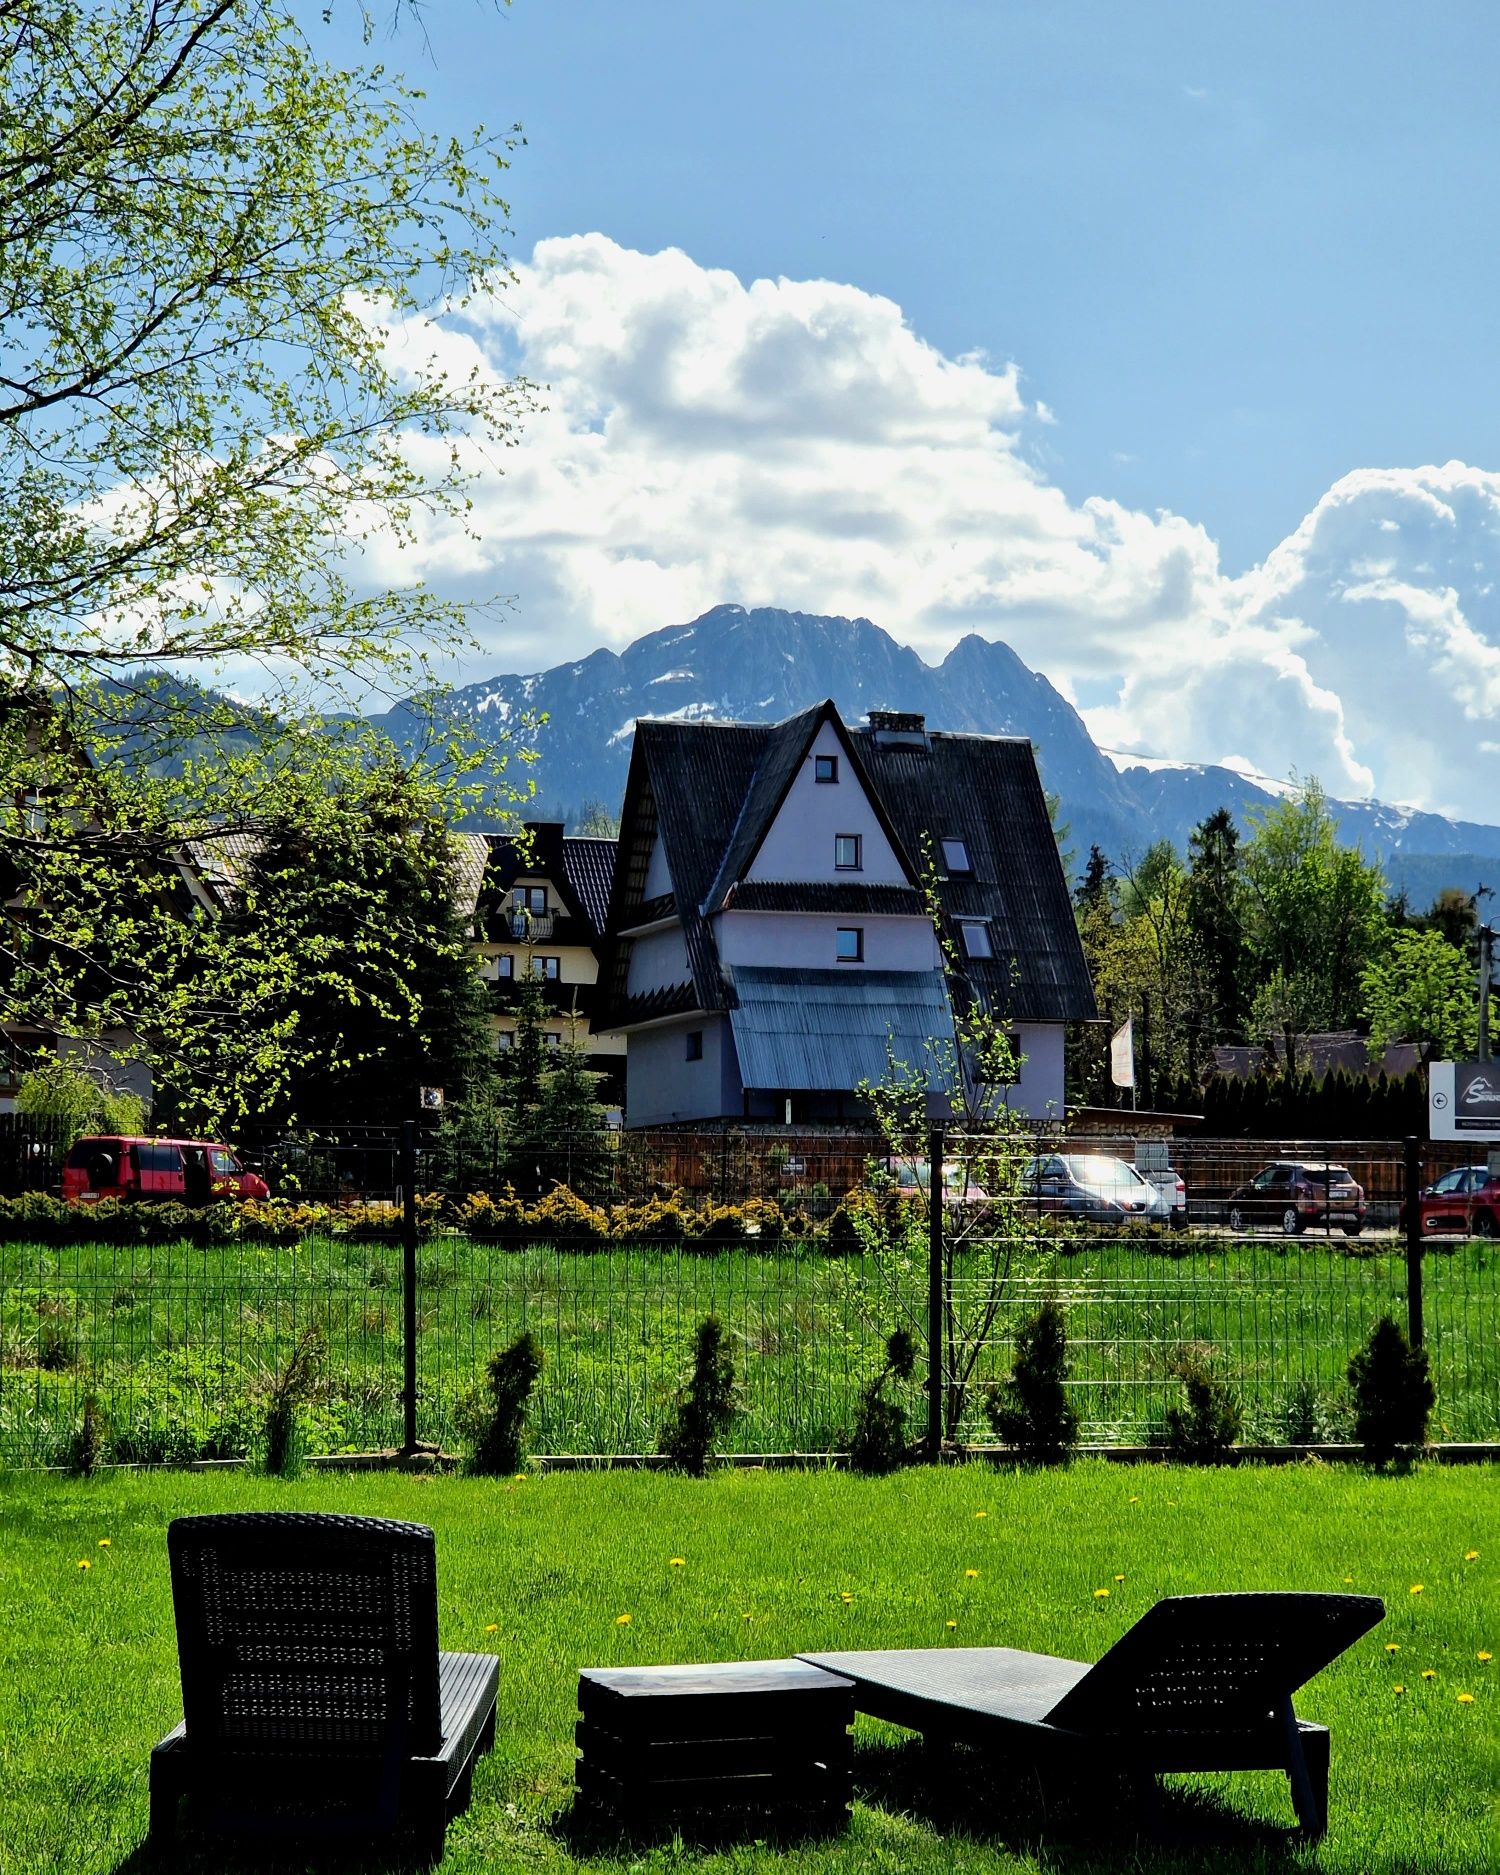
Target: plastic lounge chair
x=315 y=1702
x=1200 y=1683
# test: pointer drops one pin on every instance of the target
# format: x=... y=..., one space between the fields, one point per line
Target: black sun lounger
x=315 y=1702
x=1200 y=1683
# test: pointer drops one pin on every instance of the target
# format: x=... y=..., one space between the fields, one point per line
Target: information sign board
x=1463 y=1100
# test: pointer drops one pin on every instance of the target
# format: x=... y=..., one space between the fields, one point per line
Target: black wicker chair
x=1200 y=1683
x=315 y=1702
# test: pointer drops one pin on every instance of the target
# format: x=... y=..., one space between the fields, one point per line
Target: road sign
x=1463 y=1100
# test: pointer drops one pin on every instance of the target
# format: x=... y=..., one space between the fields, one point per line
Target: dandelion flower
x=677 y=1562
x=520 y=1477
x=622 y=1621
x=1398 y=1689
x=84 y=1563
x=1135 y=1500
x=1099 y=1594
x=970 y=1574
x=1393 y=1647
x=847 y=1599
x=1119 y=1578
x=1348 y=1580
x=104 y=1542
x=980 y=1513
x=492 y=1627
x=1466 y=1699
x=1471 y=1555
x=1415 y=1589
x=1483 y=1655
x=1429 y=1673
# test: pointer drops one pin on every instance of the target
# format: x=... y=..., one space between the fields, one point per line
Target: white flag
x=1122 y=1055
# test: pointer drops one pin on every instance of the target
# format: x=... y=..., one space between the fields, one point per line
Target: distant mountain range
x=761 y=665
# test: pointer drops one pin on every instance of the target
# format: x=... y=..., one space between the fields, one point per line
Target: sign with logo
x=430 y=1099
x=1463 y=1100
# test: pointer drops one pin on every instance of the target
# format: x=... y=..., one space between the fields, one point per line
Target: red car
x=1466 y=1199
x=192 y=1170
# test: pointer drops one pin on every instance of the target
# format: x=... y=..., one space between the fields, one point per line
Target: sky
x=1157 y=340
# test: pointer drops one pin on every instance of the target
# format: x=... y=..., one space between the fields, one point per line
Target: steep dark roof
x=582 y=869
x=985 y=790
x=590 y=866
x=711 y=790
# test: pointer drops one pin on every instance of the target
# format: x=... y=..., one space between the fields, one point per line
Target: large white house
x=768 y=933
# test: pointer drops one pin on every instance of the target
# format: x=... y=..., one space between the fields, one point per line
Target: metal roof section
x=829 y=1029
x=589 y=863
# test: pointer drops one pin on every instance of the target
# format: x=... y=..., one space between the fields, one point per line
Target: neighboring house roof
x=581 y=867
x=590 y=865
x=828 y=1029
x=711 y=791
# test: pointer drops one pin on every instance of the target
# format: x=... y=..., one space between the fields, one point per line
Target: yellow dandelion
x=1415 y=1589
x=84 y=1563
x=1466 y=1699
x=1429 y=1673
x=847 y=1599
x=1484 y=1655
x=1119 y=1578
x=1393 y=1647
x=980 y=1513
x=970 y=1574
x=104 y=1542
x=520 y=1477
x=1134 y=1500
x=492 y=1627
x=748 y=1616
x=1348 y=1580
x=1099 y=1594
x=1471 y=1555
x=677 y=1562
x=622 y=1621
x=1398 y=1689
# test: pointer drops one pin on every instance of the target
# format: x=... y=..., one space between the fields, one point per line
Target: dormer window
x=956 y=857
x=847 y=852
x=532 y=898
x=849 y=944
x=825 y=768
x=976 y=936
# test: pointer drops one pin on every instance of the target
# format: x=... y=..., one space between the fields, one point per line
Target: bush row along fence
x=808 y=1249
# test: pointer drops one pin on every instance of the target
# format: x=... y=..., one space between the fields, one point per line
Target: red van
x=193 y=1171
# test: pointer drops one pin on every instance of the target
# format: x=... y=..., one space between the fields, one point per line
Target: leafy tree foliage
x=1423 y=989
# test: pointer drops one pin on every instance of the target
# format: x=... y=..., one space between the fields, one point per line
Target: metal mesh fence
x=810 y=1249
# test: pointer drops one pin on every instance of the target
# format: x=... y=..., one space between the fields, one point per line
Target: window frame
x=982 y=925
x=831 y=764
x=548 y=968
x=857 y=932
x=505 y=967
x=693 y=1045
x=857 y=864
x=950 y=865
x=523 y=899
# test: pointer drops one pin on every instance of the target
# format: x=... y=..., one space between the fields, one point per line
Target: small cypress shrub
x=1031 y=1410
x=289 y=1388
x=1393 y=1393
x=90 y=1442
x=704 y=1408
x=1203 y=1428
x=878 y=1444
x=493 y=1417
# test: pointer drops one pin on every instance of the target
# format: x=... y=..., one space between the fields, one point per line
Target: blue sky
x=1124 y=333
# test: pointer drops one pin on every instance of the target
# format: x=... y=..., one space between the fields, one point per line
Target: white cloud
x=795 y=443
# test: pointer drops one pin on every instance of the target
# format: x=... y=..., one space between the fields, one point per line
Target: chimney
x=899 y=729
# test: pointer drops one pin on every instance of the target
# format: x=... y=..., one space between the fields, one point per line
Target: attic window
x=532 y=898
x=849 y=944
x=825 y=768
x=976 y=936
x=846 y=852
x=956 y=858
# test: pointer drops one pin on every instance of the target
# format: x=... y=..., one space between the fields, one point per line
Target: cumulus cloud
x=796 y=443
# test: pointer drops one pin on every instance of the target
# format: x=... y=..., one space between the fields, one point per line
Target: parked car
x=914 y=1177
x=1170 y=1183
x=1466 y=1199
x=1094 y=1186
x=1293 y=1193
x=192 y=1170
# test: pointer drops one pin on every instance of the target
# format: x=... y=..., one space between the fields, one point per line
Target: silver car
x=1094 y=1186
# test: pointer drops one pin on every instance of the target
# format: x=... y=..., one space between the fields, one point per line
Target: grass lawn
x=542 y=1570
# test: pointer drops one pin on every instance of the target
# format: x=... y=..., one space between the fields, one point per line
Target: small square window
x=553 y=1038
x=504 y=1041
x=695 y=1044
x=849 y=944
x=825 y=768
x=505 y=966
x=956 y=856
x=976 y=936
x=847 y=855
x=548 y=967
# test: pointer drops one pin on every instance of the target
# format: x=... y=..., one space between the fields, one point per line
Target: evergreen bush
x=1202 y=1429
x=290 y=1387
x=493 y=1417
x=1031 y=1410
x=1393 y=1393
x=705 y=1407
x=878 y=1444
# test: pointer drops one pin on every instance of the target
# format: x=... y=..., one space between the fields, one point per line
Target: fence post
x=1411 y=1186
x=409 y=1282
x=935 y=1296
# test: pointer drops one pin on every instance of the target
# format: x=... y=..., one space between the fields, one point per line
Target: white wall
x=799 y=842
x=662 y=1085
x=1039 y=1091
x=658 y=879
x=805 y=940
x=657 y=960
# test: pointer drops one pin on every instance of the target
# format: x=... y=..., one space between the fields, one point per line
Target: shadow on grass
x=200 y=1852
x=1109 y=1824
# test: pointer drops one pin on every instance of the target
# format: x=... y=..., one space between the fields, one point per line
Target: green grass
x=88 y=1673
x=178 y=1340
